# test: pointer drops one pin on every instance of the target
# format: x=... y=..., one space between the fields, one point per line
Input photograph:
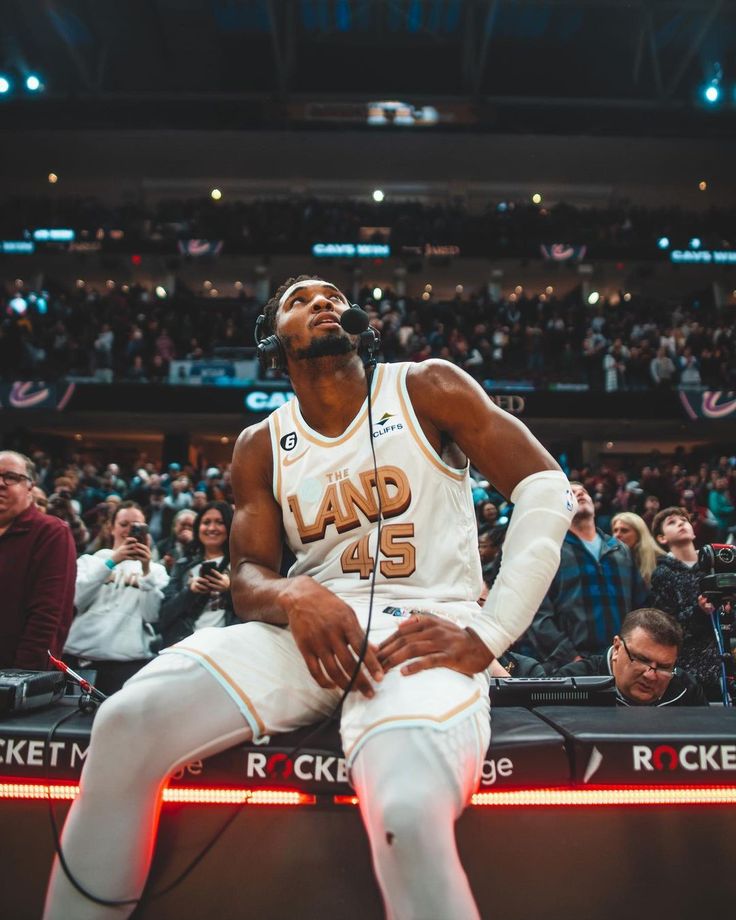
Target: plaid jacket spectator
x=585 y=604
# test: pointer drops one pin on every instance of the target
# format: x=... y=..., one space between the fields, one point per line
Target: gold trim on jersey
x=276 y=450
x=420 y=438
x=413 y=717
x=230 y=682
x=322 y=441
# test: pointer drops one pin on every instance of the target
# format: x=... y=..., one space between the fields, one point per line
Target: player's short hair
x=661 y=516
x=272 y=305
x=662 y=627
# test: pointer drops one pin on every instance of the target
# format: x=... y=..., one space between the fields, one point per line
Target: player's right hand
x=327 y=633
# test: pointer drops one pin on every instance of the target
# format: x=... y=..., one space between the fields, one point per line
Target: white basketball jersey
x=328 y=492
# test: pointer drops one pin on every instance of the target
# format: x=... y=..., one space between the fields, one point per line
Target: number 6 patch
x=288 y=442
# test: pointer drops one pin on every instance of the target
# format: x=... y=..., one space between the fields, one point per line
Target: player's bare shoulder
x=252 y=458
x=440 y=391
x=436 y=374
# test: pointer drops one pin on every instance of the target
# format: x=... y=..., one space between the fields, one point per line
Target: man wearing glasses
x=643 y=661
x=37 y=571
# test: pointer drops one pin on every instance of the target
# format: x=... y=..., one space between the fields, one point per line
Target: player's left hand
x=433 y=643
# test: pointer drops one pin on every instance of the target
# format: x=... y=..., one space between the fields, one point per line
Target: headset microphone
x=356 y=322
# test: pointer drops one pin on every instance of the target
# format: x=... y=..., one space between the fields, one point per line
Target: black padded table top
x=524 y=750
x=648 y=746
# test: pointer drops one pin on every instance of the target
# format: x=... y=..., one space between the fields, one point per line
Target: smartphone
x=139 y=532
x=207 y=568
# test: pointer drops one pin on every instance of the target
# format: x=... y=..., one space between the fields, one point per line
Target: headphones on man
x=271 y=354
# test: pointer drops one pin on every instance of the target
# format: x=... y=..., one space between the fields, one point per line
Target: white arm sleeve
x=543 y=509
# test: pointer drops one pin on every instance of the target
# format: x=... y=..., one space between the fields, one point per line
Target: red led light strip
x=511 y=798
x=609 y=795
x=180 y=794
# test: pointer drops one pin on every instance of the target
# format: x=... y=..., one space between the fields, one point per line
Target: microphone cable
x=355 y=321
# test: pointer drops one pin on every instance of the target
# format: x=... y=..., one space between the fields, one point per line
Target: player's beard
x=330 y=345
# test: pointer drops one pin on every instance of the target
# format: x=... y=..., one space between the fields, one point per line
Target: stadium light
x=215 y=194
x=663 y=242
x=4 y=85
x=593 y=298
x=377 y=293
x=712 y=90
x=33 y=83
x=378 y=195
x=536 y=198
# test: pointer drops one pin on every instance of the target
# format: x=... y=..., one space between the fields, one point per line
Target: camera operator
x=642 y=662
x=118 y=597
x=675 y=589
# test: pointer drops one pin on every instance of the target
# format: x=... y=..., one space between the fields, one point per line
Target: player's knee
x=125 y=723
x=403 y=810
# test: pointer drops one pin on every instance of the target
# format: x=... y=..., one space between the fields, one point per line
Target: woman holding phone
x=198 y=595
x=117 y=596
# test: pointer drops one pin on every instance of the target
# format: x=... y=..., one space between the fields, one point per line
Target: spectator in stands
x=61 y=505
x=689 y=370
x=487 y=512
x=37 y=568
x=722 y=507
x=40 y=499
x=194 y=600
x=614 y=366
x=98 y=520
x=199 y=500
x=596 y=585
x=651 y=509
x=632 y=530
x=118 y=597
x=663 y=370
x=176 y=545
x=642 y=661
x=159 y=515
x=705 y=526
x=181 y=494
x=675 y=588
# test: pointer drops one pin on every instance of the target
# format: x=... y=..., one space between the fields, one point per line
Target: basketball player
x=416 y=729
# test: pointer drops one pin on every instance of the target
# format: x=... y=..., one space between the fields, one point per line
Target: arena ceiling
x=600 y=66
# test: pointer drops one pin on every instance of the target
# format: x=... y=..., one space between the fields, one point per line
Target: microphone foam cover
x=354 y=320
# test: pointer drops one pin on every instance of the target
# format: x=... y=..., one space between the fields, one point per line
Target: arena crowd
x=632 y=547
x=279 y=225
x=128 y=333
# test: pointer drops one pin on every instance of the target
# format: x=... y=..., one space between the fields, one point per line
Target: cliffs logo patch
x=288 y=442
x=384 y=425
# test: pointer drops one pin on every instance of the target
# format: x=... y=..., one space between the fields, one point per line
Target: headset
x=271 y=354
